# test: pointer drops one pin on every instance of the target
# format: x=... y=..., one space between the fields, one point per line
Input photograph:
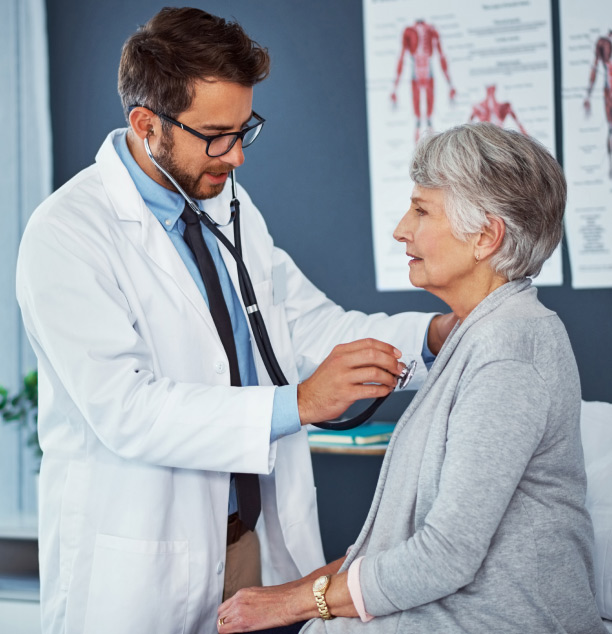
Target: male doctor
x=147 y=517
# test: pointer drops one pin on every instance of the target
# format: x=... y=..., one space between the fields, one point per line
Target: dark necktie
x=247 y=484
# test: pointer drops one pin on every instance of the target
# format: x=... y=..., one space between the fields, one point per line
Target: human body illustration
x=421 y=40
x=494 y=111
x=603 y=55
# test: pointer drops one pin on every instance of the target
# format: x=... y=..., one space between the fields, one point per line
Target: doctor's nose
x=235 y=156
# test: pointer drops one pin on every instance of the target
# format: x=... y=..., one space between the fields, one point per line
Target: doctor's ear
x=143 y=122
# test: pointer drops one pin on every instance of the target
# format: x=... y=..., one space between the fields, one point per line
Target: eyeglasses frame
x=209 y=139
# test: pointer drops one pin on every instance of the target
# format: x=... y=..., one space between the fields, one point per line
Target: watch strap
x=319 y=596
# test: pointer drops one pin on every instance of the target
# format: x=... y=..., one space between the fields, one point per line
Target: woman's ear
x=142 y=122
x=490 y=238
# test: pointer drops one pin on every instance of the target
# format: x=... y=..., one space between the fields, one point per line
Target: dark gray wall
x=309 y=171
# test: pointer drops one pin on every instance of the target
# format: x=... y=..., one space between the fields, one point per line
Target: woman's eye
x=419 y=211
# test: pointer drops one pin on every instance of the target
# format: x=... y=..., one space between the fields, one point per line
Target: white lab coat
x=139 y=425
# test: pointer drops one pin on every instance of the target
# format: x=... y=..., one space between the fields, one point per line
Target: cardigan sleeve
x=494 y=429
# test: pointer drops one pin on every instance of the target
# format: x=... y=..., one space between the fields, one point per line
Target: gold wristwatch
x=319 y=588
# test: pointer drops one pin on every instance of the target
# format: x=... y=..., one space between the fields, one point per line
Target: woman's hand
x=260 y=608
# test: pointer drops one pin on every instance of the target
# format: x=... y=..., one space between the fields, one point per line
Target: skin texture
x=259 y=608
x=439 y=329
x=217 y=106
x=458 y=272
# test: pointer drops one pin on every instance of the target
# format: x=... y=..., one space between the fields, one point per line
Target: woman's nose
x=402 y=231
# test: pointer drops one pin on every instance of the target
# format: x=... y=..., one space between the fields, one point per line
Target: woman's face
x=439 y=262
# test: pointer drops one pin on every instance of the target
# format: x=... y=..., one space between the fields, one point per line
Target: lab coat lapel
x=130 y=207
x=159 y=248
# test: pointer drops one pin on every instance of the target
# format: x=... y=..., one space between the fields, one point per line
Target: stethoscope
x=256 y=321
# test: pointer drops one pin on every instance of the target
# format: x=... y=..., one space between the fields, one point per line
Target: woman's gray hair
x=487 y=171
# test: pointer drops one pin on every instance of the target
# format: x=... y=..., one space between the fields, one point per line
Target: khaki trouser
x=242 y=564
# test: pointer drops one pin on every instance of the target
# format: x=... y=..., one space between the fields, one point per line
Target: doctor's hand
x=362 y=369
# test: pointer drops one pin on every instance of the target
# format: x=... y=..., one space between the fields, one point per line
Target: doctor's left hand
x=362 y=369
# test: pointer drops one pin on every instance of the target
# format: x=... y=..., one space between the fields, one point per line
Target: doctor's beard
x=192 y=185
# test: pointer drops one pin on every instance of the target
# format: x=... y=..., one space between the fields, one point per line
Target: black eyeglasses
x=220 y=144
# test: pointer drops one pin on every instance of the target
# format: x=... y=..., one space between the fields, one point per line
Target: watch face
x=320 y=583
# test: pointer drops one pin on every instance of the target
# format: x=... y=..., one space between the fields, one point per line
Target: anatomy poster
x=432 y=65
x=586 y=41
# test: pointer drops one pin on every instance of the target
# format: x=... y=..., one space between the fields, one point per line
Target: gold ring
x=221 y=621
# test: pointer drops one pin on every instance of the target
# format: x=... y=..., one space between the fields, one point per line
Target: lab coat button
x=219 y=367
x=219 y=567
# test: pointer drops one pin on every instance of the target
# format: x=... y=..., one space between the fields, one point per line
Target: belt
x=235 y=528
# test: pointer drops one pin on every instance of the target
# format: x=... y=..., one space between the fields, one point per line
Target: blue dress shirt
x=167 y=206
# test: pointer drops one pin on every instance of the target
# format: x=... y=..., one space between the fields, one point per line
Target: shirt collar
x=166 y=205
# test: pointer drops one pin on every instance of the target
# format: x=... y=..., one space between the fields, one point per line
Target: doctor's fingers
x=369 y=344
x=366 y=357
x=338 y=390
x=372 y=375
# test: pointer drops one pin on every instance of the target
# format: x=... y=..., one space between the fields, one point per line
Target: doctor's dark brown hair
x=162 y=60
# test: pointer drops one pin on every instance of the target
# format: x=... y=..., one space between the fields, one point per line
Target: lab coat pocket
x=138 y=586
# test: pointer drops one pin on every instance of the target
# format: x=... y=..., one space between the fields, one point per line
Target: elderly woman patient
x=478 y=522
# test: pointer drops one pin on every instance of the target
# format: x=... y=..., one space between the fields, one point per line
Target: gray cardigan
x=478 y=521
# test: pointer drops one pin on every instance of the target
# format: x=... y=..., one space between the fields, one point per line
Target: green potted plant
x=22 y=409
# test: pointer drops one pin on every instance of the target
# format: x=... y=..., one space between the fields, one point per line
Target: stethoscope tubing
x=258 y=327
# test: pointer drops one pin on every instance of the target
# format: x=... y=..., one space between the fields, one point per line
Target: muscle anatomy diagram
x=603 y=57
x=421 y=42
x=494 y=111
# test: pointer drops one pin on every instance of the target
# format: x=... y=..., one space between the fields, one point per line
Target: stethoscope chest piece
x=406 y=375
x=258 y=327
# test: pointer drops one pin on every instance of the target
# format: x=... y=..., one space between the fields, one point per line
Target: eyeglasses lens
x=251 y=135
x=223 y=144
